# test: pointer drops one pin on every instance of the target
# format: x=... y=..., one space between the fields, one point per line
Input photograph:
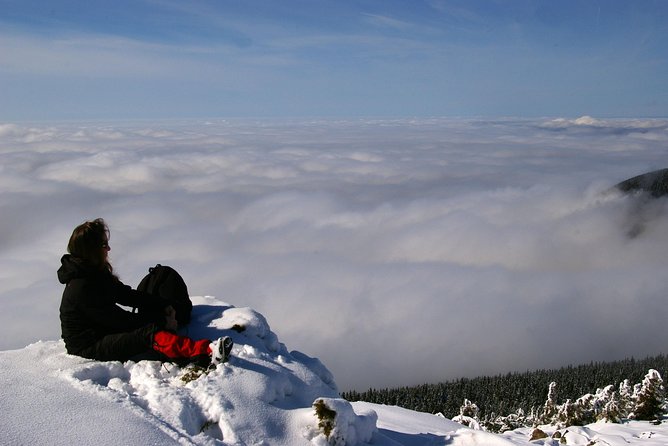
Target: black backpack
x=165 y=282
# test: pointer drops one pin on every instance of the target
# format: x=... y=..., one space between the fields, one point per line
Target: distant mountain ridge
x=654 y=183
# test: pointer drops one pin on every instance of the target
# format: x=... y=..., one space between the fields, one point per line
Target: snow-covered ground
x=265 y=395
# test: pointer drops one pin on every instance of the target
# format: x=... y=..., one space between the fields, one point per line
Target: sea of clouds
x=397 y=251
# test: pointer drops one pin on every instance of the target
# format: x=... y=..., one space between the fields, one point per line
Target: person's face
x=106 y=248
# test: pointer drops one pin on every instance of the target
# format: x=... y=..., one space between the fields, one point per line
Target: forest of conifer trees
x=511 y=393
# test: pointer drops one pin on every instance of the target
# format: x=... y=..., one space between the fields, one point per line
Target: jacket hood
x=71 y=268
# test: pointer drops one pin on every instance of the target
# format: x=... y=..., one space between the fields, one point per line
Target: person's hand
x=170 y=311
x=170 y=319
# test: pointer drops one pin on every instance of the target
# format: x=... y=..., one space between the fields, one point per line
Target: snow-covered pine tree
x=568 y=414
x=650 y=398
x=606 y=405
x=532 y=418
x=625 y=398
x=586 y=406
x=469 y=409
x=468 y=415
x=511 y=422
x=611 y=412
x=489 y=423
x=550 y=409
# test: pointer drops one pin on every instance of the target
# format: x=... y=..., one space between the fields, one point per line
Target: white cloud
x=490 y=242
x=387 y=22
x=624 y=125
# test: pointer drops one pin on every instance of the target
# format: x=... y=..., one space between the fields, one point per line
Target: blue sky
x=297 y=58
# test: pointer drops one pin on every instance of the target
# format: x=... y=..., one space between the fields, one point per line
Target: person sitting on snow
x=95 y=327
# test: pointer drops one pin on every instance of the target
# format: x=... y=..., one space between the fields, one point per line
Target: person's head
x=90 y=243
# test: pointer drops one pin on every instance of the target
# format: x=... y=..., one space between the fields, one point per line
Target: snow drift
x=264 y=394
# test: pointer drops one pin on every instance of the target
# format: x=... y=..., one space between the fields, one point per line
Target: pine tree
x=510 y=422
x=650 y=397
x=586 y=409
x=568 y=414
x=611 y=412
x=468 y=415
x=625 y=398
x=469 y=409
x=606 y=405
x=550 y=408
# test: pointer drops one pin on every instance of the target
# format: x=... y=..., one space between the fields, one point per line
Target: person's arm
x=102 y=313
x=170 y=319
x=152 y=308
x=129 y=297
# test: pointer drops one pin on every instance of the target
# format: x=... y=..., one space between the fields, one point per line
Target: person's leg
x=146 y=343
x=121 y=346
x=178 y=348
x=182 y=349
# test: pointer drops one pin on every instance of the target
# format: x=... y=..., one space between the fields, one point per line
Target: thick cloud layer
x=495 y=246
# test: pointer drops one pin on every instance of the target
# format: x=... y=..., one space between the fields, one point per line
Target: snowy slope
x=263 y=396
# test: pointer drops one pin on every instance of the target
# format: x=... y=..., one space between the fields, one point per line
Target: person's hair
x=87 y=244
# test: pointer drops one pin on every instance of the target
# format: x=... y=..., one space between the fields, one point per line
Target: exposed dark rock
x=537 y=434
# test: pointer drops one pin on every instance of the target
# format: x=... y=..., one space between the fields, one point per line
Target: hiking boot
x=220 y=350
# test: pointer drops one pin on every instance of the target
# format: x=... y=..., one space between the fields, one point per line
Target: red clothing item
x=180 y=347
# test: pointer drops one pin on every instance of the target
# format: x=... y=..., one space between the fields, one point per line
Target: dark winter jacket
x=89 y=310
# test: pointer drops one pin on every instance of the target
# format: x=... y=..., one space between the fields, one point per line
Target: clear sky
x=130 y=59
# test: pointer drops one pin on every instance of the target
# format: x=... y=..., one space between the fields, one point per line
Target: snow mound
x=263 y=392
x=339 y=425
